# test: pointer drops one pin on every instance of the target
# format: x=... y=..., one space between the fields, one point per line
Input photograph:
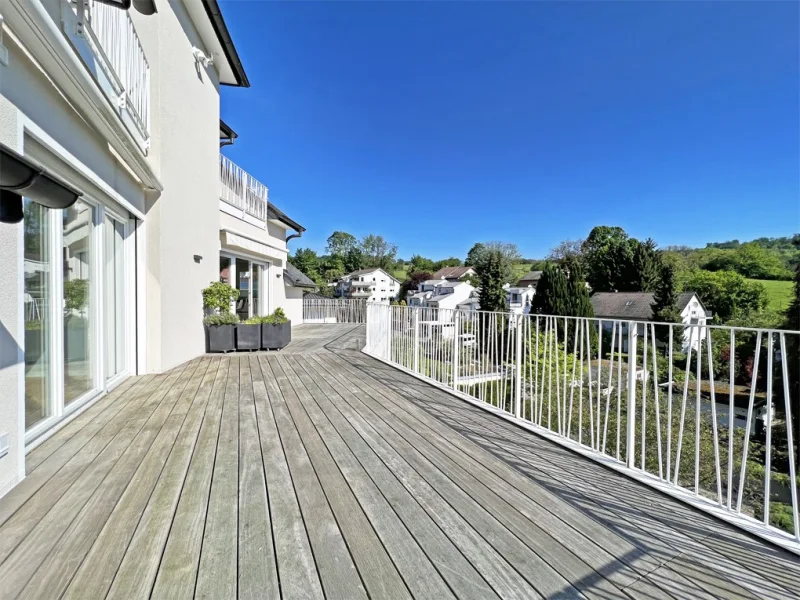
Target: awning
x=19 y=176
x=233 y=241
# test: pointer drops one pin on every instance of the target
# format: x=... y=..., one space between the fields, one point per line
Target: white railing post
x=518 y=367
x=631 y=429
x=454 y=363
x=389 y=342
x=416 y=340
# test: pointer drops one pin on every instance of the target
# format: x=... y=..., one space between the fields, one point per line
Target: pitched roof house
x=638 y=306
x=531 y=278
x=454 y=273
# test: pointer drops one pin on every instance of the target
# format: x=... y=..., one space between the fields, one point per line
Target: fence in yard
x=333 y=310
x=698 y=411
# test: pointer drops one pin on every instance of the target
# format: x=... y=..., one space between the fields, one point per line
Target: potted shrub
x=276 y=330
x=220 y=324
x=248 y=334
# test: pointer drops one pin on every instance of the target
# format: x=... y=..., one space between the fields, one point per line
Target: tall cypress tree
x=492 y=296
x=552 y=293
x=665 y=305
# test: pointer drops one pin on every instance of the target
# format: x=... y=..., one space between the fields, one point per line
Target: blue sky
x=439 y=124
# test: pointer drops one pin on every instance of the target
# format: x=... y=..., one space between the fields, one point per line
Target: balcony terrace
x=321 y=472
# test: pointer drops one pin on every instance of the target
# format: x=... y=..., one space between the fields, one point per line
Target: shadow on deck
x=320 y=472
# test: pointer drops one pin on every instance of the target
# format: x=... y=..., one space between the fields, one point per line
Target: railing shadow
x=710 y=552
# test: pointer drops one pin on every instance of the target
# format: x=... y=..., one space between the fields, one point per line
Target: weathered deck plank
x=338 y=574
x=376 y=568
x=319 y=472
x=258 y=575
x=217 y=573
x=298 y=575
x=177 y=573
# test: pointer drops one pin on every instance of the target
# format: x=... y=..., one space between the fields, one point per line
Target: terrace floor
x=319 y=472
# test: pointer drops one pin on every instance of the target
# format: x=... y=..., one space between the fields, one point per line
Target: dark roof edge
x=227 y=129
x=273 y=212
x=218 y=23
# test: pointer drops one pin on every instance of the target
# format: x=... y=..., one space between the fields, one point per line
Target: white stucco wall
x=184 y=221
x=293 y=304
x=11 y=334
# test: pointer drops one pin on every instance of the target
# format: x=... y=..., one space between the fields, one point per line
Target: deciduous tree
x=378 y=252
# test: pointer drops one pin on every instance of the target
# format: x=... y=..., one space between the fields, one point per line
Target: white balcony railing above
x=241 y=190
x=106 y=40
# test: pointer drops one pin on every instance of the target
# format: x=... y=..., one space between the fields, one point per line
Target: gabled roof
x=623 y=305
x=297 y=278
x=452 y=272
x=631 y=305
x=531 y=276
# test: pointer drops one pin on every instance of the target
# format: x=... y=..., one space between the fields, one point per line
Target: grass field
x=779 y=293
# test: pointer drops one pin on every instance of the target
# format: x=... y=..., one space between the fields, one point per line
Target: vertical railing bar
x=715 y=425
x=789 y=434
x=683 y=405
x=748 y=424
x=731 y=356
x=657 y=403
x=644 y=400
x=768 y=425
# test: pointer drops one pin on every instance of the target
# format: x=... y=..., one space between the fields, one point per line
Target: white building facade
x=372 y=285
x=124 y=108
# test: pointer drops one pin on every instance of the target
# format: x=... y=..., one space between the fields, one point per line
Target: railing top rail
x=604 y=319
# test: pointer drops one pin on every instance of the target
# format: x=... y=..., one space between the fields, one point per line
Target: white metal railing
x=334 y=310
x=241 y=190
x=118 y=52
x=697 y=411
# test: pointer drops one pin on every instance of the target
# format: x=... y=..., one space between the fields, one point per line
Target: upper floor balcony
x=106 y=40
x=241 y=191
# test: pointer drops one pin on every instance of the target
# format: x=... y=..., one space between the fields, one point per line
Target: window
x=78 y=251
x=36 y=302
x=629 y=302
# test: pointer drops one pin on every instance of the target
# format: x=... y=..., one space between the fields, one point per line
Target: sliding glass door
x=36 y=308
x=75 y=308
x=78 y=253
x=114 y=296
x=248 y=277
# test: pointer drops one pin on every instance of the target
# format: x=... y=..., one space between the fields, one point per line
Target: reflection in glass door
x=77 y=259
x=114 y=296
x=36 y=309
x=243 y=285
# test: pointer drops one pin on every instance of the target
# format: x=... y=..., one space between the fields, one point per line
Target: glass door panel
x=114 y=296
x=77 y=259
x=36 y=307
x=256 y=278
x=243 y=285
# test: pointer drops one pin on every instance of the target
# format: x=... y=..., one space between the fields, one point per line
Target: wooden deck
x=318 y=472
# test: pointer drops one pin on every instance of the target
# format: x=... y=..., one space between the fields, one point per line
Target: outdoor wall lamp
x=146 y=7
x=20 y=176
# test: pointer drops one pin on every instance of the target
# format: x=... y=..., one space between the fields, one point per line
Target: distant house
x=520 y=298
x=454 y=273
x=638 y=306
x=374 y=285
x=530 y=279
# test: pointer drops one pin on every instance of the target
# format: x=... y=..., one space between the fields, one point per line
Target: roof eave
x=226 y=41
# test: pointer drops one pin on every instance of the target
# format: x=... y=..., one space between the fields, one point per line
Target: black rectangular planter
x=275 y=337
x=248 y=337
x=220 y=338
